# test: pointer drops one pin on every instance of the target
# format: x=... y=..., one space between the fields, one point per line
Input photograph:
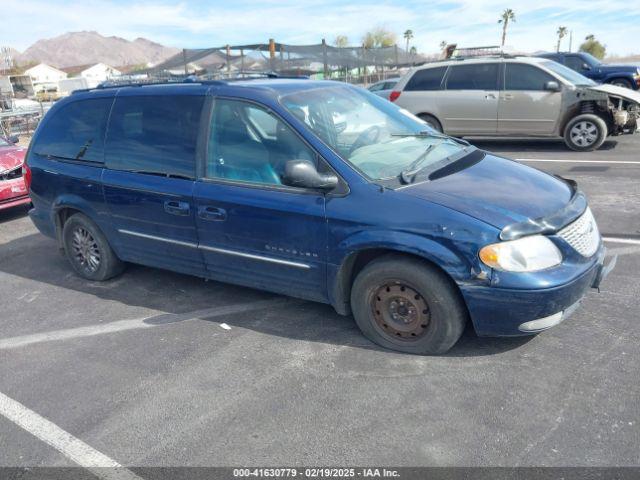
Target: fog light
x=541 y=323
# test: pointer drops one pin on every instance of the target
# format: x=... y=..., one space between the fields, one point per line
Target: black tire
x=439 y=313
x=88 y=250
x=432 y=121
x=585 y=133
x=621 y=82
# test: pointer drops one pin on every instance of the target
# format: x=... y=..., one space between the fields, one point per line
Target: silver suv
x=517 y=96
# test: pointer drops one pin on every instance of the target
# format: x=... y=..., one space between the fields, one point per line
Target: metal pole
x=324 y=58
x=242 y=61
x=395 y=48
x=570 y=40
x=272 y=53
x=282 y=57
x=228 y=59
x=184 y=59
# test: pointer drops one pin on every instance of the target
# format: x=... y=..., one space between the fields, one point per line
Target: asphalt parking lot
x=142 y=369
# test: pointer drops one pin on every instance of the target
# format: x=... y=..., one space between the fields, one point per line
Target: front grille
x=11 y=174
x=582 y=234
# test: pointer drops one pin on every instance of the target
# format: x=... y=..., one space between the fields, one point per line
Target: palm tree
x=562 y=32
x=507 y=16
x=408 y=35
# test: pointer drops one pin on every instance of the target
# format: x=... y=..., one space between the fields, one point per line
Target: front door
x=469 y=104
x=253 y=230
x=150 y=159
x=526 y=107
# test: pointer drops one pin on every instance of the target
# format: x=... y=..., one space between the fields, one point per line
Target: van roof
x=279 y=85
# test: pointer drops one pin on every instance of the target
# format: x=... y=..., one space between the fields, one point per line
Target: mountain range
x=83 y=48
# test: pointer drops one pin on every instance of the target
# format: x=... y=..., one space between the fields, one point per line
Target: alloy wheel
x=86 y=252
x=584 y=133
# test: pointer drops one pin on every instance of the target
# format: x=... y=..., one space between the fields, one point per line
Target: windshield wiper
x=426 y=134
x=408 y=175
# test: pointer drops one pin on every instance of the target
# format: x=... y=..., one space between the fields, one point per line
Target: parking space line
x=71 y=447
x=558 y=160
x=629 y=241
x=138 y=323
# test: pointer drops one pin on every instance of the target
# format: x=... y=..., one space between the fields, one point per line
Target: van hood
x=626 y=93
x=497 y=191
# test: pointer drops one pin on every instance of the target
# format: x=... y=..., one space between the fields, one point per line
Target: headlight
x=527 y=254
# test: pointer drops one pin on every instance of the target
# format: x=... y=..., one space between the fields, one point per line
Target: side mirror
x=552 y=86
x=586 y=66
x=302 y=173
x=13 y=139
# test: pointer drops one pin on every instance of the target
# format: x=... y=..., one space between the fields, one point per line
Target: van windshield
x=375 y=136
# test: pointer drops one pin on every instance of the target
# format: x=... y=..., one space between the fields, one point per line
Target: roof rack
x=191 y=79
x=493 y=51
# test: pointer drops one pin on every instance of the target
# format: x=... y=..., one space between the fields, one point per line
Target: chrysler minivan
x=317 y=190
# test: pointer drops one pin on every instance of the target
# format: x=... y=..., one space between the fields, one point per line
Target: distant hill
x=83 y=48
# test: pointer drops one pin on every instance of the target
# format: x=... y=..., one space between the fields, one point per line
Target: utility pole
x=570 y=40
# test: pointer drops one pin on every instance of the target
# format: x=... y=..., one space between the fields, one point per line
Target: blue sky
x=198 y=23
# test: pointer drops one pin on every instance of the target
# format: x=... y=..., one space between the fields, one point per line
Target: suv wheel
x=88 y=251
x=407 y=305
x=621 y=82
x=585 y=132
x=431 y=121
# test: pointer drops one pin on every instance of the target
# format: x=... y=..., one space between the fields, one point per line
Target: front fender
x=457 y=259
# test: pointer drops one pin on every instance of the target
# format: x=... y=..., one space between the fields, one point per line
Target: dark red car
x=13 y=189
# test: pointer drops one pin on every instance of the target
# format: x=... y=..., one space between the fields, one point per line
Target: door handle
x=507 y=96
x=175 y=207
x=489 y=96
x=214 y=214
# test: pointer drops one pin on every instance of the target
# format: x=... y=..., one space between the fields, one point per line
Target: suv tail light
x=393 y=96
x=26 y=174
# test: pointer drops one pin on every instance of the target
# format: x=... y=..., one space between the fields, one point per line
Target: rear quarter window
x=156 y=133
x=426 y=79
x=76 y=131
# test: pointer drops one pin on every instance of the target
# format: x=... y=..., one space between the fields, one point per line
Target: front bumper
x=507 y=312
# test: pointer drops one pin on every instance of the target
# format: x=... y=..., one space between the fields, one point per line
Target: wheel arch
x=431 y=114
x=66 y=206
x=451 y=264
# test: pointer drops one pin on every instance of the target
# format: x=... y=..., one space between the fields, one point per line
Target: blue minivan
x=317 y=190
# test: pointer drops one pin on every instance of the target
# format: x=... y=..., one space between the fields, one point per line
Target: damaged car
x=13 y=189
x=511 y=96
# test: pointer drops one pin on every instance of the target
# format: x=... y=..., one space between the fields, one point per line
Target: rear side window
x=518 y=76
x=426 y=79
x=76 y=131
x=574 y=62
x=475 y=76
x=154 y=134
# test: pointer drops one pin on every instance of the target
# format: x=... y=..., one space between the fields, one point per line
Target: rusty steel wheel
x=400 y=311
x=408 y=305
